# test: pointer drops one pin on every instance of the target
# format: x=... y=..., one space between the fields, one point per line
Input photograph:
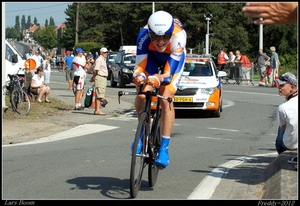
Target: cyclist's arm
x=143 y=41
x=178 y=43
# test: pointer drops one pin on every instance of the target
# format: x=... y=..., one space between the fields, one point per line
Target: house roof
x=62 y=26
x=33 y=28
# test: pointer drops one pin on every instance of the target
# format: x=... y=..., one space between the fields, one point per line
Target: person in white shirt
x=287 y=113
x=38 y=86
x=79 y=65
x=231 y=64
x=47 y=69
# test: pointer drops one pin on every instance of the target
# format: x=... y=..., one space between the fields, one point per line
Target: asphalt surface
x=260 y=177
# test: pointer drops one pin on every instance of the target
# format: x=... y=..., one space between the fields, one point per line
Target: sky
x=39 y=10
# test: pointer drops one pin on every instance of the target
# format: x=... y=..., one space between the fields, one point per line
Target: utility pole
x=76 y=29
x=207 y=17
x=260 y=46
x=153 y=8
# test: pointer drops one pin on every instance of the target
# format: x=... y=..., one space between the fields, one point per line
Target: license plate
x=183 y=99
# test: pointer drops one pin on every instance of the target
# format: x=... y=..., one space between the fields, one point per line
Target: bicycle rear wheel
x=20 y=101
x=138 y=161
x=156 y=141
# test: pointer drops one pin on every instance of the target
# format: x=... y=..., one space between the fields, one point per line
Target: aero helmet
x=161 y=23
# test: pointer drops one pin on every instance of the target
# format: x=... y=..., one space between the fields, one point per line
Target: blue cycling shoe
x=163 y=155
x=139 y=146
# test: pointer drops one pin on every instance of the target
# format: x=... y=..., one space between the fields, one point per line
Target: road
x=93 y=163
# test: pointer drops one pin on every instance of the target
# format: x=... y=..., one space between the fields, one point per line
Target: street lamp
x=207 y=17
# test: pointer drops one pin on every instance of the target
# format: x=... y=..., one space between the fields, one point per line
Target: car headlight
x=125 y=70
x=208 y=90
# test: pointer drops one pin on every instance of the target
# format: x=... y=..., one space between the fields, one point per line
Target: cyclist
x=161 y=43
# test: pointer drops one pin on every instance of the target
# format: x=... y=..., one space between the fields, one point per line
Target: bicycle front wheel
x=138 y=161
x=20 y=101
x=156 y=141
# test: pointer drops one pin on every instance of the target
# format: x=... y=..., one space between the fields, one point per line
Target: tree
x=28 y=19
x=51 y=22
x=35 y=21
x=11 y=33
x=46 y=37
x=23 y=26
x=18 y=28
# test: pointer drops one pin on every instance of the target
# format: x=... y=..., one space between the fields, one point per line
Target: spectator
x=79 y=65
x=231 y=65
x=237 y=62
x=97 y=55
x=222 y=59
x=100 y=78
x=91 y=56
x=47 y=69
x=274 y=64
x=272 y=12
x=246 y=66
x=38 y=86
x=54 y=60
x=58 y=60
x=39 y=56
x=68 y=69
x=287 y=113
x=29 y=54
x=261 y=59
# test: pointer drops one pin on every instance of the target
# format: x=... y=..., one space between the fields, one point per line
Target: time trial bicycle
x=150 y=132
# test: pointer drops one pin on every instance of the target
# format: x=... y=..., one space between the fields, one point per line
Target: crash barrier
x=244 y=73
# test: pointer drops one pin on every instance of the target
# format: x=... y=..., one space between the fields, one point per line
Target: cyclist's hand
x=139 y=79
x=155 y=80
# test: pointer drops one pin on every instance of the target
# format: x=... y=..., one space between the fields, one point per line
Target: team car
x=200 y=87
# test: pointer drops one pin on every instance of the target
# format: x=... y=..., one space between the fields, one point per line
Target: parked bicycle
x=151 y=138
x=18 y=96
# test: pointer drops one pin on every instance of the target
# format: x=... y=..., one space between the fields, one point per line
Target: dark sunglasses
x=155 y=37
x=282 y=78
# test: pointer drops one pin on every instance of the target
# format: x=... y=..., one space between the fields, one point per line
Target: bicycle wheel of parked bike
x=138 y=161
x=156 y=141
x=20 y=101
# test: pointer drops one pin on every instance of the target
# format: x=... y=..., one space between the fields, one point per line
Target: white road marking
x=80 y=130
x=208 y=185
x=231 y=130
x=212 y=138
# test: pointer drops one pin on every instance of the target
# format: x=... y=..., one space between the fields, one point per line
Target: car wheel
x=112 y=81
x=121 y=83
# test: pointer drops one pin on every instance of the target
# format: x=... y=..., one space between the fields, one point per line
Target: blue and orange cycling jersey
x=148 y=60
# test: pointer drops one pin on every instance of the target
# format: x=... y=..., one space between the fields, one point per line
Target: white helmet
x=161 y=23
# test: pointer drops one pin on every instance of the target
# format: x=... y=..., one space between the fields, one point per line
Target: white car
x=200 y=87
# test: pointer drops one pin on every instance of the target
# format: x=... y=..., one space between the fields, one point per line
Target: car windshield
x=129 y=59
x=112 y=57
x=194 y=69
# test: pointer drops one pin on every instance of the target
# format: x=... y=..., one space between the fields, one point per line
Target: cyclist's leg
x=140 y=99
x=167 y=122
